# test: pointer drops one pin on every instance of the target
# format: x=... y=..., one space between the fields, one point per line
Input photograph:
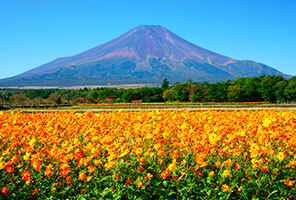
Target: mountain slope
x=145 y=54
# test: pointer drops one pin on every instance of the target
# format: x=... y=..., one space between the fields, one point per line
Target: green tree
x=234 y=93
x=53 y=99
x=250 y=89
x=127 y=95
x=168 y=95
x=280 y=91
x=267 y=87
x=217 y=92
x=94 y=94
x=36 y=102
x=19 y=100
x=201 y=92
x=290 y=90
x=165 y=84
x=180 y=92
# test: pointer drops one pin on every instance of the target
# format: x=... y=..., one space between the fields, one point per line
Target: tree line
x=274 y=89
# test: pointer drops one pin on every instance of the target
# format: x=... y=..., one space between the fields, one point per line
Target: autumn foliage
x=144 y=155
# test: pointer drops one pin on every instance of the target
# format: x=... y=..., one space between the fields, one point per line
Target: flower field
x=176 y=103
x=146 y=154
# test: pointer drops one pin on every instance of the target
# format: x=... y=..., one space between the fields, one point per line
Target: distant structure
x=137 y=101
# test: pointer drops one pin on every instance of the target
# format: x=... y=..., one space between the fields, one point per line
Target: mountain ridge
x=144 y=54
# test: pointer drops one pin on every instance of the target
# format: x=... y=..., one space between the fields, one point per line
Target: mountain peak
x=146 y=41
x=149 y=27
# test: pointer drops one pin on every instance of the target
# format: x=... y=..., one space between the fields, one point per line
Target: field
x=110 y=107
x=148 y=154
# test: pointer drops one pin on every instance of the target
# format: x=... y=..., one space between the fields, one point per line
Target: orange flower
x=128 y=181
x=140 y=168
x=26 y=175
x=160 y=153
x=149 y=175
x=53 y=190
x=226 y=172
x=65 y=172
x=142 y=159
x=5 y=190
x=161 y=162
x=81 y=176
x=228 y=162
x=91 y=169
x=264 y=168
x=117 y=177
x=69 y=179
x=165 y=174
x=217 y=164
x=20 y=165
x=48 y=173
x=172 y=166
x=203 y=143
x=211 y=173
x=139 y=184
x=174 y=154
x=109 y=165
x=35 y=191
x=139 y=151
x=288 y=182
x=174 y=178
x=97 y=162
x=9 y=169
x=36 y=165
x=59 y=183
x=225 y=187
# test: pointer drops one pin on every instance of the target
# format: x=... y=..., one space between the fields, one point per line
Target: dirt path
x=85 y=109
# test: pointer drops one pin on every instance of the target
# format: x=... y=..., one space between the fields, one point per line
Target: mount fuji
x=143 y=55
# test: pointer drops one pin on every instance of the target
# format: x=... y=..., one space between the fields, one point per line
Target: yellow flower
x=217 y=164
x=28 y=182
x=149 y=175
x=27 y=156
x=109 y=165
x=140 y=184
x=280 y=156
x=139 y=151
x=32 y=141
x=212 y=138
x=226 y=172
x=228 y=162
x=172 y=166
x=183 y=173
x=240 y=188
x=89 y=178
x=184 y=162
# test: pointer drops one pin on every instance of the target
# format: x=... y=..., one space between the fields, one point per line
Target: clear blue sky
x=34 y=32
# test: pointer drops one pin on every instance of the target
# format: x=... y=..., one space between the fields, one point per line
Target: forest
x=272 y=89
